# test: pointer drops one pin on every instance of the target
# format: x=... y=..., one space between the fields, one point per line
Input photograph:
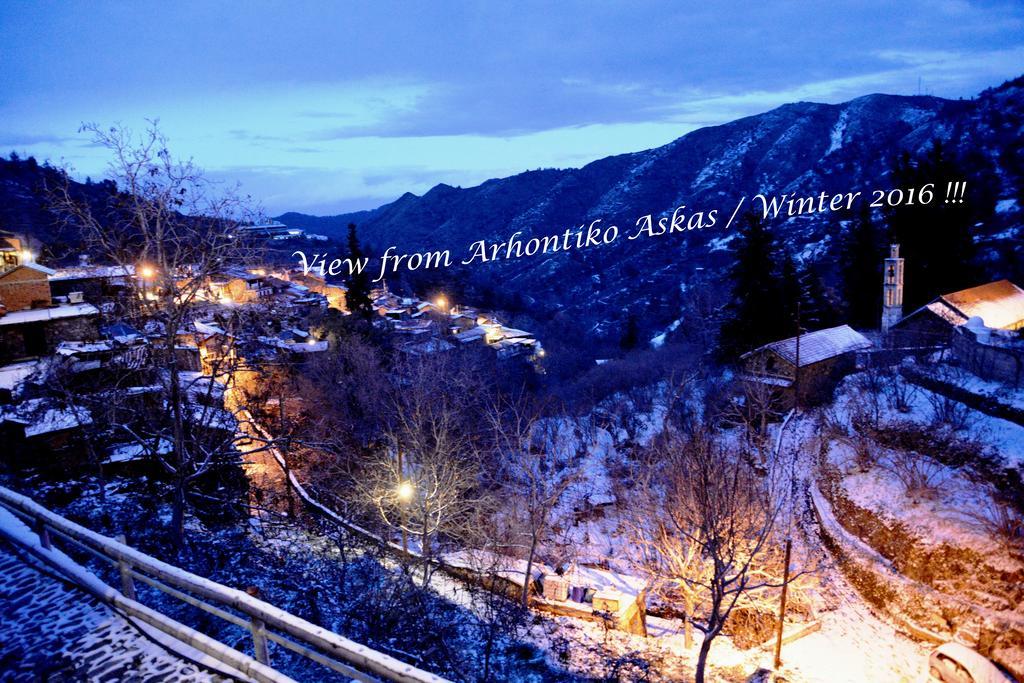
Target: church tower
x=892 y=288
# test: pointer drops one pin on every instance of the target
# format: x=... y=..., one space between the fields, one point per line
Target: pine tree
x=935 y=239
x=630 y=334
x=861 y=253
x=358 y=297
x=751 y=316
x=817 y=310
x=789 y=295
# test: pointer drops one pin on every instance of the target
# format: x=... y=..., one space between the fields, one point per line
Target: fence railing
x=263 y=621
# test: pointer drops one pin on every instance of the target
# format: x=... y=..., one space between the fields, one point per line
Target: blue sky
x=327 y=107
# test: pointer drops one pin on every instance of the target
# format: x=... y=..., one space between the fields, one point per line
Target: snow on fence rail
x=264 y=621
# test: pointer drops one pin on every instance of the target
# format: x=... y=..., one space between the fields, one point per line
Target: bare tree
x=759 y=404
x=424 y=481
x=707 y=528
x=536 y=465
x=1001 y=521
x=899 y=392
x=172 y=229
x=920 y=475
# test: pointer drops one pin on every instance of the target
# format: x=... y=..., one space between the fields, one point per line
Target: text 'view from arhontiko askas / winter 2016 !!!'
x=512 y=342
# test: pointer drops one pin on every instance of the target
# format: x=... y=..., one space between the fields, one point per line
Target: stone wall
x=999 y=363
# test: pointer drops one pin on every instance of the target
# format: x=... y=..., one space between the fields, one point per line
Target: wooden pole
x=43 y=533
x=259 y=640
x=124 y=568
x=796 y=373
x=782 y=606
x=401 y=478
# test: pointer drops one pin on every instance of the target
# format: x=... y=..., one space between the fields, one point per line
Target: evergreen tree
x=861 y=253
x=358 y=297
x=817 y=310
x=935 y=239
x=752 y=316
x=789 y=295
x=630 y=334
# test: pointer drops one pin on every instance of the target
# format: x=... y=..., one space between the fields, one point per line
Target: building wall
x=1002 y=364
x=816 y=381
x=336 y=297
x=923 y=328
x=239 y=291
x=39 y=338
x=24 y=288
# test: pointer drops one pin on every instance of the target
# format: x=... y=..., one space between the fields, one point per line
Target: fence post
x=125 y=570
x=259 y=640
x=43 y=532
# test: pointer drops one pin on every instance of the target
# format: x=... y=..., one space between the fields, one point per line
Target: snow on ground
x=854 y=646
x=1005 y=436
x=997 y=390
x=54 y=631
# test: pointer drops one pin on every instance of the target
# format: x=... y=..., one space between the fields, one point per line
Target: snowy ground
x=50 y=630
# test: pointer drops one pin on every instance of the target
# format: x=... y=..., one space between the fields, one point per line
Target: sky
x=328 y=107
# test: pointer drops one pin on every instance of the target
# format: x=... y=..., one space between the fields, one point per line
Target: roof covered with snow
x=92 y=272
x=817 y=346
x=43 y=314
x=1000 y=304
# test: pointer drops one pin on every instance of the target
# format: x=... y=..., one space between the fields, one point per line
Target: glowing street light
x=26 y=255
x=147 y=272
x=405 y=491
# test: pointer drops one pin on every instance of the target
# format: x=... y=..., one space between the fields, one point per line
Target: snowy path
x=50 y=630
x=853 y=645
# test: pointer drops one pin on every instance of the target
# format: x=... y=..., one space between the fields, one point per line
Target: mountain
x=802 y=148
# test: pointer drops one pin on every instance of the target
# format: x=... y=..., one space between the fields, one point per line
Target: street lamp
x=405 y=491
x=146 y=272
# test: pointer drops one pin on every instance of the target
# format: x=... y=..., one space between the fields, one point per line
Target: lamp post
x=147 y=273
x=404 y=492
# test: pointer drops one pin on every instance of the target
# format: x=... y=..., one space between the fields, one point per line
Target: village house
x=30 y=323
x=239 y=286
x=41 y=433
x=994 y=354
x=92 y=283
x=814 y=360
x=13 y=251
x=336 y=294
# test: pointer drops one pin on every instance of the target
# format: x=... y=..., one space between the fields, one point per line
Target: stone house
x=812 y=363
x=336 y=294
x=30 y=325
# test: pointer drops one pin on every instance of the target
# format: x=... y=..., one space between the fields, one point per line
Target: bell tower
x=892 y=288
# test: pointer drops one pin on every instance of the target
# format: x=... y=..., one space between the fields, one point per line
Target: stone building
x=990 y=353
x=999 y=304
x=812 y=363
x=25 y=286
x=30 y=323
